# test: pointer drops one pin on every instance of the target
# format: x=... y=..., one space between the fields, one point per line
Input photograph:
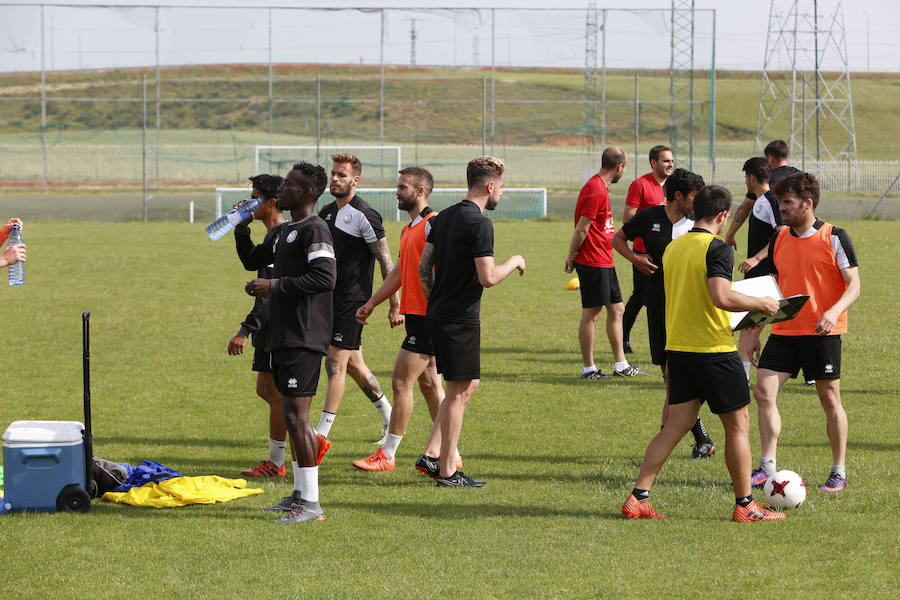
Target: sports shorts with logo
x=418 y=337
x=717 y=378
x=599 y=286
x=346 y=331
x=818 y=355
x=457 y=349
x=262 y=361
x=296 y=371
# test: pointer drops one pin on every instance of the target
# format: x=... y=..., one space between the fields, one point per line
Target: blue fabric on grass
x=144 y=473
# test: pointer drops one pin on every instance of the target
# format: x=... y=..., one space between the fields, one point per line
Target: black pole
x=86 y=369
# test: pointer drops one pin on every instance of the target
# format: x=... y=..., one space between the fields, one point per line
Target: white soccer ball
x=785 y=489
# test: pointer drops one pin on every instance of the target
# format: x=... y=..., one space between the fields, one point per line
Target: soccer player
x=358 y=241
x=265 y=187
x=415 y=361
x=590 y=254
x=764 y=220
x=457 y=264
x=300 y=323
x=815 y=258
x=704 y=365
x=657 y=226
x=644 y=192
x=776 y=153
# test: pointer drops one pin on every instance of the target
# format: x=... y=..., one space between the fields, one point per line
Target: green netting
x=517 y=203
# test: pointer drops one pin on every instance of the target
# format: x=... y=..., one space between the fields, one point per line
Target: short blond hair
x=483 y=168
x=351 y=159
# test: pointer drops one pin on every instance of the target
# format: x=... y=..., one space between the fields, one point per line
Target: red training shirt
x=593 y=203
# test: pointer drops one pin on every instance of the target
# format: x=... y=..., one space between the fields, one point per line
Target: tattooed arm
x=383 y=256
x=426 y=269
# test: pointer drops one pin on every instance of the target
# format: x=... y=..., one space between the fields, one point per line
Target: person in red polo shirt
x=644 y=192
x=814 y=258
x=591 y=255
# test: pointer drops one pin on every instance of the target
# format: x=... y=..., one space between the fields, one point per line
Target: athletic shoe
x=834 y=483
x=287 y=504
x=702 y=450
x=459 y=479
x=755 y=512
x=429 y=466
x=758 y=478
x=265 y=469
x=324 y=447
x=380 y=441
x=629 y=371
x=626 y=346
x=596 y=376
x=303 y=513
x=377 y=462
x=639 y=509
x=809 y=382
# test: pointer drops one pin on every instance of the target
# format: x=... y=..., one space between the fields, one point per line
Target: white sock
x=767 y=465
x=747 y=369
x=296 y=469
x=458 y=455
x=276 y=451
x=384 y=407
x=390 y=445
x=622 y=365
x=586 y=370
x=325 y=423
x=309 y=483
x=842 y=471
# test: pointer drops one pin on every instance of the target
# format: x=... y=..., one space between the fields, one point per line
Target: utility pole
x=412 y=42
x=799 y=40
x=589 y=103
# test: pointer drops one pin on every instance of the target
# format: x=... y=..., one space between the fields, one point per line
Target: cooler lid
x=23 y=432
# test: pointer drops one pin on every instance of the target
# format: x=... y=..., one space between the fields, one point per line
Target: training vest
x=809 y=266
x=693 y=322
x=412 y=241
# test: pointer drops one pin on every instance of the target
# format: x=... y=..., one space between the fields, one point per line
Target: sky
x=239 y=32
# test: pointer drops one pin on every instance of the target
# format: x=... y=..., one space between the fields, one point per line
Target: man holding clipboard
x=816 y=258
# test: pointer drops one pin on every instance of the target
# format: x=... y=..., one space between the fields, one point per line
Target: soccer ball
x=785 y=489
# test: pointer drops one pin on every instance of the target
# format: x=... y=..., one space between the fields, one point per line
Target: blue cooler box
x=40 y=460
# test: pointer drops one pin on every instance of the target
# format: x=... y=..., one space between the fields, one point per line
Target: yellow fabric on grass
x=181 y=491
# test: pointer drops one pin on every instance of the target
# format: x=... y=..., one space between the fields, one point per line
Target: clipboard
x=759 y=287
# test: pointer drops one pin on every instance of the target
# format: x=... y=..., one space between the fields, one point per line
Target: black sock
x=640 y=494
x=744 y=501
x=699 y=431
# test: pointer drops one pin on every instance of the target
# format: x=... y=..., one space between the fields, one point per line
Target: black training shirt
x=654 y=227
x=459 y=234
x=305 y=272
x=353 y=228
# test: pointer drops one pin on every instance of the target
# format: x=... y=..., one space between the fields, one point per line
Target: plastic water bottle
x=16 y=270
x=227 y=222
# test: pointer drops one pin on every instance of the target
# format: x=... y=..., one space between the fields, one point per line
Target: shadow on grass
x=445 y=509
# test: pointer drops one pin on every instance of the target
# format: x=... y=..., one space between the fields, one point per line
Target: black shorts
x=599 y=286
x=717 y=378
x=262 y=361
x=296 y=371
x=346 y=331
x=457 y=349
x=818 y=355
x=418 y=337
x=656 y=328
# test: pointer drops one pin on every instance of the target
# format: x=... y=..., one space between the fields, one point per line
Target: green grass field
x=560 y=455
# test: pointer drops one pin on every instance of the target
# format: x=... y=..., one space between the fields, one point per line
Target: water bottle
x=227 y=222
x=16 y=270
